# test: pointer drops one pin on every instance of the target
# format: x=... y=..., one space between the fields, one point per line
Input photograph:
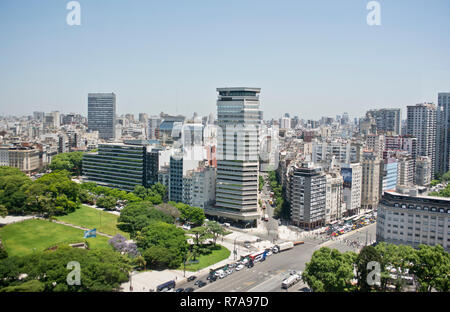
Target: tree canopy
x=71 y=162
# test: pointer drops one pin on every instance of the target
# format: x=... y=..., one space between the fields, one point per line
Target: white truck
x=291 y=280
x=282 y=247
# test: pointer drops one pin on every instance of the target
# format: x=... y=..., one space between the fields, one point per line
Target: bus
x=167 y=285
x=257 y=255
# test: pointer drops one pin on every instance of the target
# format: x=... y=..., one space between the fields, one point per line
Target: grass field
x=218 y=253
x=20 y=238
x=91 y=218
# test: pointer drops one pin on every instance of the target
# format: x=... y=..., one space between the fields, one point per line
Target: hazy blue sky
x=310 y=58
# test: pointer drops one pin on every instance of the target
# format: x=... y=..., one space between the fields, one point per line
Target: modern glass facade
x=102 y=114
x=116 y=165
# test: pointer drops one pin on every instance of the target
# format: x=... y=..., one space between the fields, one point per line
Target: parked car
x=189 y=289
x=186 y=227
x=211 y=278
x=197 y=282
x=201 y=284
x=239 y=267
x=180 y=290
x=191 y=278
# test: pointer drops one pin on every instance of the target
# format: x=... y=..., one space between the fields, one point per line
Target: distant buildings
x=102 y=114
x=387 y=120
x=411 y=219
x=24 y=158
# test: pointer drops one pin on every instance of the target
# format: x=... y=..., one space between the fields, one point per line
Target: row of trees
x=331 y=270
x=101 y=270
x=52 y=194
x=282 y=209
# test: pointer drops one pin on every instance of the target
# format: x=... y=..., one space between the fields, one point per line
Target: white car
x=245 y=261
x=240 y=267
x=186 y=227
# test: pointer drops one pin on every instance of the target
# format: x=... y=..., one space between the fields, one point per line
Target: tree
x=164 y=235
x=446 y=176
x=107 y=202
x=431 y=266
x=190 y=214
x=215 y=229
x=3 y=252
x=329 y=271
x=158 y=257
x=200 y=233
x=119 y=243
x=261 y=183
x=169 y=210
x=29 y=286
x=71 y=162
x=101 y=270
x=136 y=216
x=3 y=211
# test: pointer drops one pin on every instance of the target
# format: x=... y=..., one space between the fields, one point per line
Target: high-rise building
x=421 y=123
x=387 y=120
x=352 y=179
x=443 y=133
x=370 y=190
x=238 y=117
x=307 y=196
x=102 y=114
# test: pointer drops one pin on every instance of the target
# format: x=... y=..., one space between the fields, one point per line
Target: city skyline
x=306 y=57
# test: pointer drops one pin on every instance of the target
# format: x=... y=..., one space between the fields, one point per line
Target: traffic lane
x=246 y=279
x=357 y=236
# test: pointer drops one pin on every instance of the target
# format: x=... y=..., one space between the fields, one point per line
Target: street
x=266 y=276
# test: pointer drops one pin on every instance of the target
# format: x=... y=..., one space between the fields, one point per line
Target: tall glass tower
x=102 y=114
x=239 y=120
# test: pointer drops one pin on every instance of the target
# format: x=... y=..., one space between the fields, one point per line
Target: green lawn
x=20 y=238
x=218 y=253
x=91 y=218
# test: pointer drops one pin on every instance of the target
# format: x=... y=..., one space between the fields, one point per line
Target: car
x=245 y=261
x=218 y=272
x=305 y=289
x=211 y=278
x=239 y=267
x=191 y=278
x=201 y=284
x=222 y=275
x=231 y=265
x=180 y=290
x=189 y=289
x=186 y=227
x=229 y=272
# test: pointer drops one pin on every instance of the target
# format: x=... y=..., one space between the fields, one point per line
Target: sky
x=310 y=58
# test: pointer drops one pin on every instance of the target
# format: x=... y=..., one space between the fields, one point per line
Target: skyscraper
x=237 y=155
x=421 y=123
x=102 y=114
x=443 y=133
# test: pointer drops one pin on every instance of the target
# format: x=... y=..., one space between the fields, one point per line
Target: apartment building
x=404 y=217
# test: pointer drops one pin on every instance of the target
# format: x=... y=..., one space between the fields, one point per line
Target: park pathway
x=76 y=226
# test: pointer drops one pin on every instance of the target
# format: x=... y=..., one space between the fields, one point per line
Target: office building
x=238 y=117
x=117 y=165
x=102 y=114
